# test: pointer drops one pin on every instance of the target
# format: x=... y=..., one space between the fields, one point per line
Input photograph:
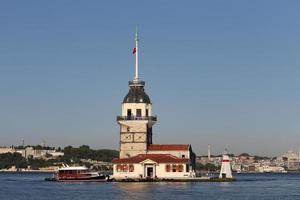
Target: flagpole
x=136 y=56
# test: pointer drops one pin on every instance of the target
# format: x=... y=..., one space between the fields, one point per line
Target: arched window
x=129 y=113
x=139 y=112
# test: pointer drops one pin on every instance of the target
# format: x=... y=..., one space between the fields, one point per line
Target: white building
x=274 y=169
x=225 y=171
x=30 y=152
x=7 y=150
x=139 y=158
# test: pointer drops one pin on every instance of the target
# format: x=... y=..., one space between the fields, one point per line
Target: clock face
x=139 y=137
x=126 y=137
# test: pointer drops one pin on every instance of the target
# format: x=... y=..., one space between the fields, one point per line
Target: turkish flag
x=134 y=50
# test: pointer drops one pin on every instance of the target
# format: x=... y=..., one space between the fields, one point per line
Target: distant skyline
x=224 y=73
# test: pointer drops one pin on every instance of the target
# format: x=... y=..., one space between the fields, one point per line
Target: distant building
x=252 y=168
x=56 y=153
x=30 y=152
x=7 y=150
x=292 y=160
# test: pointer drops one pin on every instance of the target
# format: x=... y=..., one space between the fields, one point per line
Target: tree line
x=72 y=155
x=206 y=167
x=85 y=152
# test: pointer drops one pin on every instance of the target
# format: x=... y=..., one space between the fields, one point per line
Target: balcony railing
x=149 y=118
x=136 y=83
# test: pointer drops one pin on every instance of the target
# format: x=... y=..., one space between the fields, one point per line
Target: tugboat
x=77 y=173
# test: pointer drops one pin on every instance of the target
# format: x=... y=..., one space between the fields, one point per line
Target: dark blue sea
x=31 y=186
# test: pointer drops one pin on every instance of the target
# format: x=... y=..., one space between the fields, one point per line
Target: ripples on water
x=31 y=186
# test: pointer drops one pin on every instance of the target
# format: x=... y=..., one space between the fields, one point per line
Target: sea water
x=31 y=186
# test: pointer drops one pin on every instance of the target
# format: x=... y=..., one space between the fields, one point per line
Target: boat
x=272 y=169
x=77 y=173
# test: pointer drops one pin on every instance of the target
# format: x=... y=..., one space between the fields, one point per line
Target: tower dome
x=136 y=93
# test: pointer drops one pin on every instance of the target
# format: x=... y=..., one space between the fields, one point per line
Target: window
x=118 y=168
x=138 y=112
x=182 y=156
x=122 y=168
x=180 y=168
x=131 y=168
x=168 y=168
x=147 y=112
x=129 y=113
x=174 y=168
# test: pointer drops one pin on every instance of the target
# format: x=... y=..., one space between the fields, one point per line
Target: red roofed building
x=158 y=158
x=169 y=147
x=152 y=166
x=139 y=158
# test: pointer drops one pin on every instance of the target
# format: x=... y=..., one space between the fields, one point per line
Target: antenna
x=136 y=76
x=226 y=150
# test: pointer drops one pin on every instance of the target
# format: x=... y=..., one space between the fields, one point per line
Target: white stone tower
x=226 y=167
x=208 y=153
x=136 y=120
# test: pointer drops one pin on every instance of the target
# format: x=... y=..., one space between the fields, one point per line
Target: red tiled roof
x=168 y=147
x=159 y=158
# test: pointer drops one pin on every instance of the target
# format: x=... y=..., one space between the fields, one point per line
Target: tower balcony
x=148 y=118
x=136 y=83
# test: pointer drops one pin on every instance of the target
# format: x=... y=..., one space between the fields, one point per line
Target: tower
x=208 y=153
x=136 y=120
x=225 y=171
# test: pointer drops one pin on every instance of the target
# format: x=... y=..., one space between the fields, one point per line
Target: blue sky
x=224 y=73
